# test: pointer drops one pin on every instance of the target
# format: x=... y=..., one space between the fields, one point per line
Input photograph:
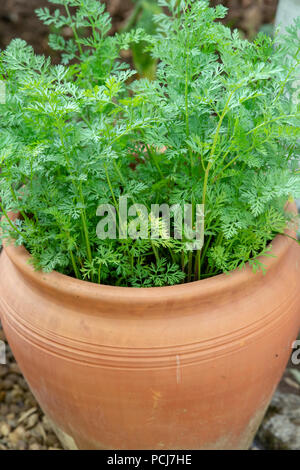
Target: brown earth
x=18 y=19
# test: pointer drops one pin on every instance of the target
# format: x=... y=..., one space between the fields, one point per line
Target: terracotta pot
x=186 y=367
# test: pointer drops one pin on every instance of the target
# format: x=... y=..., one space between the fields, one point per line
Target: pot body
x=184 y=367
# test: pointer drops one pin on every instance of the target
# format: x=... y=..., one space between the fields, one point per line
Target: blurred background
x=17 y=17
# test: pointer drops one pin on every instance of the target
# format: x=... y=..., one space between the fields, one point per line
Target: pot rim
x=66 y=285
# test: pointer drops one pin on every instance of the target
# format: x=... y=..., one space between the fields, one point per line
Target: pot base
x=246 y=441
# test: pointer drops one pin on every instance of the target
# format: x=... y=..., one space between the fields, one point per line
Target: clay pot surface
x=192 y=366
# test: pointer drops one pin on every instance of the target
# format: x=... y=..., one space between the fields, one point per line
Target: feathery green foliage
x=83 y=133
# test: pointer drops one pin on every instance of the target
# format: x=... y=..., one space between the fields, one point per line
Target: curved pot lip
x=68 y=286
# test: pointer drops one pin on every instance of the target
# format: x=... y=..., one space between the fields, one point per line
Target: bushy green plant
x=218 y=125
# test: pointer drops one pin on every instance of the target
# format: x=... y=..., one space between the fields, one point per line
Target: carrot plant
x=218 y=126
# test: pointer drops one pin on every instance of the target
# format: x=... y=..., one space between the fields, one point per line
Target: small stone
x=7 y=398
x=21 y=445
x=32 y=421
x=14 y=409
x=296 y=375
x=280 y=429
x=292 y=383
x=17 y=435
x=24 y=416
x=3 y=409
x=4 y=429
x=3 y=370
x=11 y=421
x=36 y=433
x=34 y=447
x=13 y=377
x=30 y=401
x=7 y=384
x=15 y=368
x=46 y=424
x=22 y=383
x=51 y=440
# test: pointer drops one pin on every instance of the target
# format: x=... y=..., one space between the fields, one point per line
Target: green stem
x=99 y=273
x=111 y=189
x=19 y=209
x=155 y=251
x=186 y=93
x=198 y=265
x=77 y=274
x=119 y=173
x=272 y=120
x=10 y=222
x=74 y=29
x=153 y=156
x=227 y=166
x=77 y=190
x=190 y=267
x=85 y=227
x=207 y=245
x=213 y=149
x=182 y=262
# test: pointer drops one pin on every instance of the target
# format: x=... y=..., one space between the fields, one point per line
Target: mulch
x=23 y=425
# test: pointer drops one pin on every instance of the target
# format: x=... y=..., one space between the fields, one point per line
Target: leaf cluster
x=218 y=125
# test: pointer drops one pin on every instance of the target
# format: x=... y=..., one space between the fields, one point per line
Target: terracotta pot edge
x=70 y=286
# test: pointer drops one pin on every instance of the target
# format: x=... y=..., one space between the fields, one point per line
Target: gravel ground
x=23 y=425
